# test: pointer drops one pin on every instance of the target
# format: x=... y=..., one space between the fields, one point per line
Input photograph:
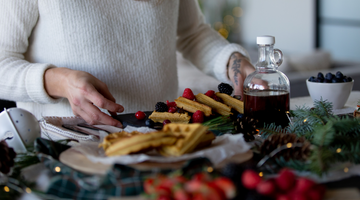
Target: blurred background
x=300 y=26
x=314 y=36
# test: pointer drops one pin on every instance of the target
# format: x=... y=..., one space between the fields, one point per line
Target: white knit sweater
x=130 y=45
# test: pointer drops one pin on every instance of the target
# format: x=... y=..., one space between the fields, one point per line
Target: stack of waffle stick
x=173 y=140
x=203 y=103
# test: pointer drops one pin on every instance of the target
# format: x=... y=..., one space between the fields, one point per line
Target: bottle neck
x=265 y=52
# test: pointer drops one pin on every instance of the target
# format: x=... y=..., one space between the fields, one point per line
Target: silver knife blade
x=77 y=129
x=85 y=125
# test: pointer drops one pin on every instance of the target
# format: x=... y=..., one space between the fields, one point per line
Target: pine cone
x=247 y=126
x=6 y=158
x=277 y=140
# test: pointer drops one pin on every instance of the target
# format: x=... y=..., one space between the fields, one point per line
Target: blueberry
x=312 y=79
x=320 y=75
x=339 y=75
x=320 y=80
x=337 y=80
x=344 y=80
x=240 y=116
x=327 y=81
x=348 y=79
x=329 y=76
x=149 y=123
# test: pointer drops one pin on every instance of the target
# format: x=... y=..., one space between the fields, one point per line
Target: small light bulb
x=261 y=174
x=338 y=150
x=6 y=189
x=28 y=190
x=289 y=145
x=210 y=169
x=346 y=170
x=57 y=169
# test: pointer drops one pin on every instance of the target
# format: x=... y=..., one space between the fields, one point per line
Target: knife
x=85 y=125
x=77 y=129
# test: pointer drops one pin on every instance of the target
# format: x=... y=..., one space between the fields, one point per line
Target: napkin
x=51 y=128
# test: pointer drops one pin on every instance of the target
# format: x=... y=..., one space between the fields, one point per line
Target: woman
x=72 y=57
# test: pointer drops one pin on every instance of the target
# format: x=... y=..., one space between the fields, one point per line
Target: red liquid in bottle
x=267 y=106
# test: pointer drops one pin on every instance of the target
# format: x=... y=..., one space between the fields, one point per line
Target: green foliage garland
x=334 y=138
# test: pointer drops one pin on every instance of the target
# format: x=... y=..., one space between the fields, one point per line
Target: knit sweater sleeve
x=202 y=45
x=20 y=80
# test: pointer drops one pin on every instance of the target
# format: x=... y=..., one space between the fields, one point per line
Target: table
x=38 y=173
x=349 y=107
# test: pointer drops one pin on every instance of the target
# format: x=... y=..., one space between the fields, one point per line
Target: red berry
x=149 y=185
x=216 y=98
x=202 y=176
x=314 y=194
x=172 y=109
x=286 y=180
x=170 y=104
x=166 y=121
x=140 y=115
x=181 y=194
x=164 y=197
x=227 y=186
x=198 y=117
x=250 y=179
x=304 y=184
x=299 y=196
x=210 y=93
x=266 y=188
x=283 y=197
x=188 y=94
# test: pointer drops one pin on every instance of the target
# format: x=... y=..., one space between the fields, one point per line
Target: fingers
x=87 y=94
x=102 y=98
x=93 y=115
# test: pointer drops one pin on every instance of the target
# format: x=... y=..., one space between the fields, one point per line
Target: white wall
x=292 y=22
x=340 y=29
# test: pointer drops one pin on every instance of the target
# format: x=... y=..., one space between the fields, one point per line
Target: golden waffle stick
x=218 y=107
x=129 y=142
x=192 y=135
x=143 y=146
x=206 y=140
x=231 y=101
x=173 y=117
x=113 y=137
x=192 y=106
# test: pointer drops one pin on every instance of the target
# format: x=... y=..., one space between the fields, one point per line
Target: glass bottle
x=267 y=90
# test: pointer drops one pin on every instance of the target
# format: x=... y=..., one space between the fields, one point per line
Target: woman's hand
x=238 y=69
x=84 y=92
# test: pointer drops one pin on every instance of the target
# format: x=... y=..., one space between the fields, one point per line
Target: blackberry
x=225 y=88
x=161 y=107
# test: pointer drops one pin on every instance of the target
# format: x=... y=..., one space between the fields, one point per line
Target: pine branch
x=323 y=135
x=270 y=129
x=321 y=160
x=222 y=124
x=323 y=107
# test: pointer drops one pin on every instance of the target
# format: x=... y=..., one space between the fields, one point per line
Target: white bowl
x=336 y=93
